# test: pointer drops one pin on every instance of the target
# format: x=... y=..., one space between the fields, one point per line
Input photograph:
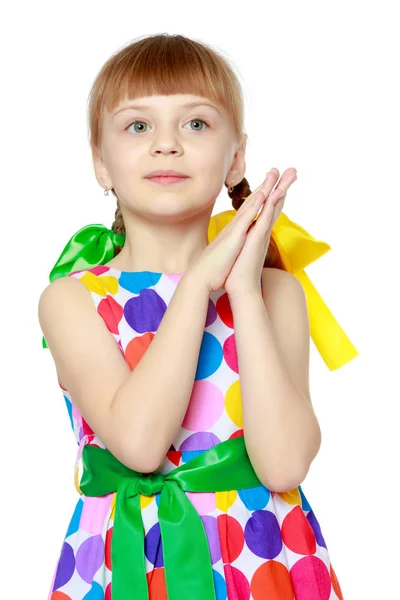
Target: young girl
x=183 y=357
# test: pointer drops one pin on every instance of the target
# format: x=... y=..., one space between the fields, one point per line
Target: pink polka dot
x=174 y=277
x=203 y=502
x=205 y=407
x=77 y=415
x=311 y=579
x=94 y=512
x=237 y=584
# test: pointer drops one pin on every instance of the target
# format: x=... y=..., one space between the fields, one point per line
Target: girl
x=190 y=484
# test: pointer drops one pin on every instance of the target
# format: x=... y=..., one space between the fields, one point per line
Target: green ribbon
x=90 y=246
x=187 y=561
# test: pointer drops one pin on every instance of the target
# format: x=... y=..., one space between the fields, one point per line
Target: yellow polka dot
x=112 y=514
x=233 y=403
x=100 y=285
x=224 y=500
x=291 y=497
x=146 y=500
x=76 y=481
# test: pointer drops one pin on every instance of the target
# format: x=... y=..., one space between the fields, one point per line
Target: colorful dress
x=264 y=545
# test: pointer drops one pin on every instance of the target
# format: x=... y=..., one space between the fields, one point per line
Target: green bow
x=187 y=562
x=90 y=246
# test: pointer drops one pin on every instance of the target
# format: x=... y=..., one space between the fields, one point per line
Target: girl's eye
x=191 y=121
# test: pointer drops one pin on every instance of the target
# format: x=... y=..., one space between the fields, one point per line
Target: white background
x=320 y=82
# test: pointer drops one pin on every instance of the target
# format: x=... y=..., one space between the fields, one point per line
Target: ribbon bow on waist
x=187 y=560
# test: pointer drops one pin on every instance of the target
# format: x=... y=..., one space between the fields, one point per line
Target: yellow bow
x=299 y=249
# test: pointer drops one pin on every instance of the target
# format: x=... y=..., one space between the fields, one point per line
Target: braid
x=238 y=195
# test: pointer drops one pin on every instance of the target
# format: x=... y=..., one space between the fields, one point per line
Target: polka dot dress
x=263 y=545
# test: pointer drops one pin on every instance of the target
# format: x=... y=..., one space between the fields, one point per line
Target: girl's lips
x=167 y=180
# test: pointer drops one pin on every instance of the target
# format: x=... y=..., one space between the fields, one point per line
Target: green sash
x=187 y=561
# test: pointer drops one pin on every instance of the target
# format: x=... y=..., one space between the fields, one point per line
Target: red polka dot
x=174 y=456
x=107 y=550
x=98 y=270
x=60 y=596
x=224 y=310
x=111 y=312
x=87 y=430
x=231 y=537
x=238 y=433
x=237 y=585
x=156 y=584
x=311 y=579
x=137 y=347
x=297 y=533
x=272 y=580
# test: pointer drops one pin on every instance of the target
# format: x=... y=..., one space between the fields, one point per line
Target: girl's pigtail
x=118 y=224
x=238 y=195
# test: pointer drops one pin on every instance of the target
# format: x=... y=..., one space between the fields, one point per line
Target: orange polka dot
x=137 y=347
x=335 y=584
x=156 y=584
x=60 y=596
x=272 y=581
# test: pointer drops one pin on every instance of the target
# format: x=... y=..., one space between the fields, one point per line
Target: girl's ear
x=100 y=169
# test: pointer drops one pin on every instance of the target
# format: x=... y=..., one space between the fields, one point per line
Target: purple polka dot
x=153 y=546
x=145 y=311
x=211 y=527
x=262 y=534
x=316 y=529
x=202 y=440
x=211 y=313
x=90 y=557
x=66 y=566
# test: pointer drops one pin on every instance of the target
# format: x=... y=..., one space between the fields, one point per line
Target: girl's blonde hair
x=166 y=64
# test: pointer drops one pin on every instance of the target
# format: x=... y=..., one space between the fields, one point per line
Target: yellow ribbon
x=298 y=249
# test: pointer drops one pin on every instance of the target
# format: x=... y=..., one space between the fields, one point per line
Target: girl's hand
x=216 y=261
x=246 y=272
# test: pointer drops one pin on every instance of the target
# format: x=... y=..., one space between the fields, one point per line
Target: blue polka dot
x=95 y=593
x=210 y=356
x=76 y=518
x=255 y=498
x=136 y=282
x=190 y=454
x=304 y=502
x=69 y=408
x=220 y=585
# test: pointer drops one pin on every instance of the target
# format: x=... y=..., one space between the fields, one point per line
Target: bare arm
x=154 y=399
x=125 y=407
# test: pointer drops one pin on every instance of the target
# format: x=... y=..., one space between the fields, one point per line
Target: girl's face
x=197 y=141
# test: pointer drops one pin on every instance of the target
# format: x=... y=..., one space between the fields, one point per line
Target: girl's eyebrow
x=146 y=107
